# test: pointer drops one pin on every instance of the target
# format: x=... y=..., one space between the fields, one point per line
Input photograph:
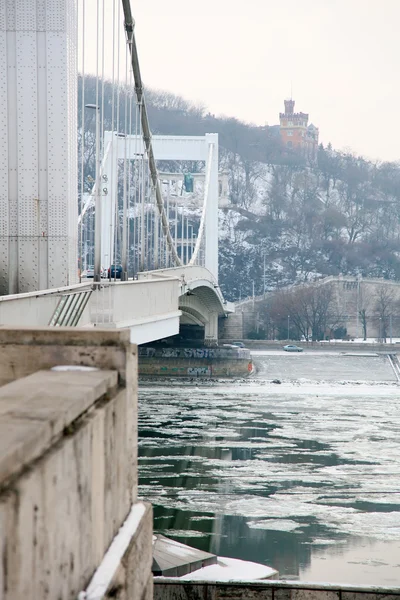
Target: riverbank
x=329 y=346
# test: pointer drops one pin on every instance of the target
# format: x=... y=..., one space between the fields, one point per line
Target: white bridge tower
x=166 y=147
x=38 y=144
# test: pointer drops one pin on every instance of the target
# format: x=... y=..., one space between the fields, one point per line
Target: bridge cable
x=82 y=157
x=134 y=183
x=102 y=85
x=129 y=168
x=131 y=41
x=97 y=198
x=113 y=149
x=203 y=214
x=142 y=215
x=124 y=188
x=116 y=221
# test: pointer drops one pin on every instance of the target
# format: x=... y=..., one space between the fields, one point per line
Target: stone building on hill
x=296 y=133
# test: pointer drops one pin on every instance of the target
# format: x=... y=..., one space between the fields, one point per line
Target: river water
x=303 y=476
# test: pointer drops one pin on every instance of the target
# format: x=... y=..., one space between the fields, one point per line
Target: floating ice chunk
x=274 y=524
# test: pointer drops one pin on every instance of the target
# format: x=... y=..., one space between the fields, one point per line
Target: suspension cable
x=124 y=256
x=114 y=176
x=117 y=229
x=203 y=214
x=129 y=169
x=83 y=238
x=129 y=28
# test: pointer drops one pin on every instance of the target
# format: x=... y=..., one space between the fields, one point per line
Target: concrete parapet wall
x=169 y=589
x=68 y=463
x=24 y=351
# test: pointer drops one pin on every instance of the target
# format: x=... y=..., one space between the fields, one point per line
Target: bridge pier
x=211 y=330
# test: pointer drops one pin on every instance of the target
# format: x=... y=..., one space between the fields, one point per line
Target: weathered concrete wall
x=274 y=590
x=232 y=327
x=194 y=362
x=245 y=319
x=181 y=367
x=353 y=294
x=68 y=463
x=24 y=351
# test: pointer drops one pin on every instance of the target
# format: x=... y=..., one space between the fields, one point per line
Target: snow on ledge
x=108 y=567
x=230 y=569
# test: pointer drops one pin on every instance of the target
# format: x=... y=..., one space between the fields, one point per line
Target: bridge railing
x=38 y=308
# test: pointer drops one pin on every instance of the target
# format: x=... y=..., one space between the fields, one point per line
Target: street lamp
x=288 y=326
x=97 y=218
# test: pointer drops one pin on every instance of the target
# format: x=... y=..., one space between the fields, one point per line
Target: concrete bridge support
x=38 y=145
x=211 y=330
x=68 y=468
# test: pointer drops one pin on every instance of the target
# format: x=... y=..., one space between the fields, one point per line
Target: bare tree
x=310 y=310
x=384 y=310
x=362 y=313
x=322 y=313
x=363 y=307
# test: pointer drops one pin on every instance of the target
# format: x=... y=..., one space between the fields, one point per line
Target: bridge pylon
x=168 y=147
x=38 y=145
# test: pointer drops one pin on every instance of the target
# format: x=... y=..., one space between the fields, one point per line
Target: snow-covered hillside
x=287 y=222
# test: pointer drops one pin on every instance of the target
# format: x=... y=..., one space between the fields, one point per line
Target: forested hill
x=288 y=220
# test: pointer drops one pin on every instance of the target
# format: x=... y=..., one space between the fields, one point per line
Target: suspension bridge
x=101 y=223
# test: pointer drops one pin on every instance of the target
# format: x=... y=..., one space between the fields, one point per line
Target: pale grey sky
x=239 y=59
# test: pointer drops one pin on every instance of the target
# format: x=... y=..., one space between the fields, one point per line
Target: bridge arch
x=200 y=298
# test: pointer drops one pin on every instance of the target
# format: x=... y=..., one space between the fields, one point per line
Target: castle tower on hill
x=296 y=133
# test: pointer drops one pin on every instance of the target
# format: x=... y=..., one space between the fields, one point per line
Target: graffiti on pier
x=199 y=371
x=194 y=353
x=199 y=353
x=170 y=352
x=147 y=352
